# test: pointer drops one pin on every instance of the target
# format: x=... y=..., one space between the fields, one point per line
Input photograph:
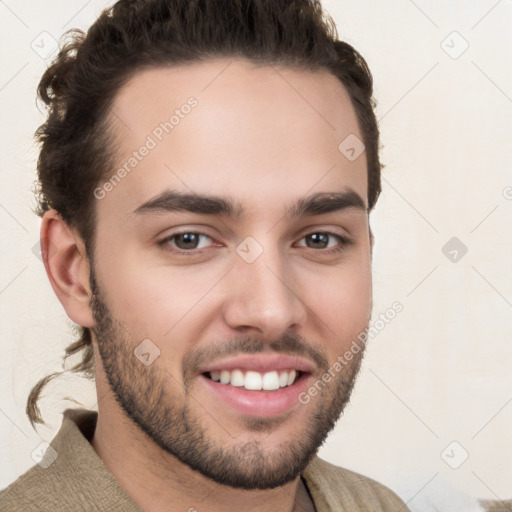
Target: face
x=232 y=265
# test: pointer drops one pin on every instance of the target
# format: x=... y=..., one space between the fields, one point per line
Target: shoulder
x=332 y=486
x=70 y=475
x=26 y=493
x=48 y=483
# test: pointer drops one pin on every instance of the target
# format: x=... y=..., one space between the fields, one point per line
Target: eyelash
x=344 y=243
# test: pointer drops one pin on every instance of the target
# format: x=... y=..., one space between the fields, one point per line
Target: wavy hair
x=76 y=148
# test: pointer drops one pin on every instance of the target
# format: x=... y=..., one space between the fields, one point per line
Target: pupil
x=320 y=239
x=187 y=241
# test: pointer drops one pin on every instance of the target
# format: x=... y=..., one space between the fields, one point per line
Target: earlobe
x=67 y=267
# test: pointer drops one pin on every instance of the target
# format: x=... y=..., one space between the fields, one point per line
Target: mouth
x=255 y=381
x=262 y=385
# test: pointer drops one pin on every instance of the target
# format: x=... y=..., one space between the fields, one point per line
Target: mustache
x=289 y=344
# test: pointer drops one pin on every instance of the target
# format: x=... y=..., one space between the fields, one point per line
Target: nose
x=263 y=296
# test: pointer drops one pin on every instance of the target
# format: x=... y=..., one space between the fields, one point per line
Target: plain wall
x=439 y=372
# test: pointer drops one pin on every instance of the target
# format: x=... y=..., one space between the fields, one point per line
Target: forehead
x=263 y=134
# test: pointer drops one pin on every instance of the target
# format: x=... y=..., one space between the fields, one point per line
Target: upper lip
x=261 y=363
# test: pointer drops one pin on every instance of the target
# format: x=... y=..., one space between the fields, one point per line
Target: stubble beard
x=146 y=396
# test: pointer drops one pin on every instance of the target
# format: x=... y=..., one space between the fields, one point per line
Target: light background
x=440 y=371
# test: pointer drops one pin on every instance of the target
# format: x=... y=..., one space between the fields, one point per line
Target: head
x=201 y=213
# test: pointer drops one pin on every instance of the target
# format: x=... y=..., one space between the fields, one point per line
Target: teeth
x=237 y=378
x=271 y=381
x=225 y=377
x=255 y=381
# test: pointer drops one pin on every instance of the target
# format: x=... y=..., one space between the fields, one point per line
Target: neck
x=158 y=482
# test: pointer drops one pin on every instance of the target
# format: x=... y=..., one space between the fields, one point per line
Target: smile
x=255 y=381
x=258 y=385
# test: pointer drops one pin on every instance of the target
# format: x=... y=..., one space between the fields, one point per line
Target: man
x=206 y=174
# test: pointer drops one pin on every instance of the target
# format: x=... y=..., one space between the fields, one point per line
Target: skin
x=265 y=144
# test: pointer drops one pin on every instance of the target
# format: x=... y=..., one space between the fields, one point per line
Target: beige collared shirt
x=77 y=480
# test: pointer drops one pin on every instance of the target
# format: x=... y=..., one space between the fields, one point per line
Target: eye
x=323 y=240
x=192 y=242
x=186 y=242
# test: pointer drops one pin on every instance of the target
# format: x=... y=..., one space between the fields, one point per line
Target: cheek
x=344 y=302
x=158 y=301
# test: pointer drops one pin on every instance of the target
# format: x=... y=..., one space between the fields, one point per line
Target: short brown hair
x=81 y=83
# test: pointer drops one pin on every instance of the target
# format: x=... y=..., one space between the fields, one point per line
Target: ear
x=67 y=267
x=372 y=240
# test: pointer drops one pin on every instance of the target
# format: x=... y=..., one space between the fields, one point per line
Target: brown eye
x=188 y=241
x=326 y=243
x=318 y=240
x=324 y=240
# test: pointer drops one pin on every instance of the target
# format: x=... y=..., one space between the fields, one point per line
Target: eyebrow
x=315 y=204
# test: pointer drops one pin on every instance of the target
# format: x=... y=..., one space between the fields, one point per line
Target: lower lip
x=259 y=403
